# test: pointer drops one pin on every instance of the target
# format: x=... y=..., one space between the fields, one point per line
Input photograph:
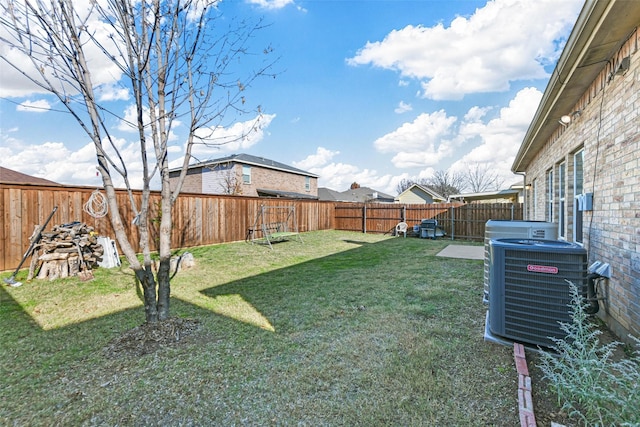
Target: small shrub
x=589 y=383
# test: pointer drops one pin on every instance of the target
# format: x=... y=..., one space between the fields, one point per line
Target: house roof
x=328 y=194
x=429 y=191
x=510 y=193
x=284 y=194
x=599 y=32
x=358 y=195
x=15 y=177
x=247 y=159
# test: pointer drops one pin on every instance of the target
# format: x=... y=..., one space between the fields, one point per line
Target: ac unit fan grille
x=536 y=302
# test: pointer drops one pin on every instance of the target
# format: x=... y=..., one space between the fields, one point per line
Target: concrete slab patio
x=462 y=251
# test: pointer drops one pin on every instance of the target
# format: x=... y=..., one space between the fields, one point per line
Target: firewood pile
x=67 y=250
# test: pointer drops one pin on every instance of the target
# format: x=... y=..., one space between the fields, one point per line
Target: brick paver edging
x=525 y=401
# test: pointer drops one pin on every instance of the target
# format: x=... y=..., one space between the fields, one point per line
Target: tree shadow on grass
x=13 y=314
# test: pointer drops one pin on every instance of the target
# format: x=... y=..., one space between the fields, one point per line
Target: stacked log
x=67 y=250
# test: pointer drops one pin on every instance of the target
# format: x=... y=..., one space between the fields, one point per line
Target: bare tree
x=479 y=177
x=179 y=67
x=446 y=183
x=404 y=184
x=230 y=182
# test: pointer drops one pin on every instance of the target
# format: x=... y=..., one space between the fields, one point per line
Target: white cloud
x=319 y=159
x=128 y=122
x=423 y=142
x=103 y=69
x=504 y=41
x=238 y=137
x=339 y=176
x=39 y=106
x=403 y=107
x=271 y=4
x=112 y=92
x=57 y=162
x=501 y=136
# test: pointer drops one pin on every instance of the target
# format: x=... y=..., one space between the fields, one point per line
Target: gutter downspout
x=524 y=191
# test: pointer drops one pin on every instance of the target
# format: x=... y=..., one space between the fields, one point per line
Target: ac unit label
x=542 y=269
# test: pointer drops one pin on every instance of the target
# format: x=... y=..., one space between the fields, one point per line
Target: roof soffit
x=602 y=27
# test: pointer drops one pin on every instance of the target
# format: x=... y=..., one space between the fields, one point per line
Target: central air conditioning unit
x=528 y=291
x=505 y=229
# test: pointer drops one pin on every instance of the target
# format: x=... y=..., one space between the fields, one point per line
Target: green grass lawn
x=346 y=329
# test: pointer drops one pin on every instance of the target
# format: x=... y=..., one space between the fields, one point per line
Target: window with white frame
x=307 y=183
x=549 y=211
x=578 y=191
x=562 y=176
x=246 y=174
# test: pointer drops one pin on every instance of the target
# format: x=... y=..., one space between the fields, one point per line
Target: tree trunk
x=164 y=288
x=164 y=250
x=148 y=282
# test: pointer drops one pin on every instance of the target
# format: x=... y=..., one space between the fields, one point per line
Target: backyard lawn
x=345 y=329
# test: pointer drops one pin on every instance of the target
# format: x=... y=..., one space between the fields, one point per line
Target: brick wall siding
x=269 y=179
x=192 y=182
x=608 y=130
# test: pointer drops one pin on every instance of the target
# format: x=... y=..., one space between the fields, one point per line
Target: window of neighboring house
x=246 y=174
x=578 y=187
x=549 y=213
x=307 y=183
x=562 y=172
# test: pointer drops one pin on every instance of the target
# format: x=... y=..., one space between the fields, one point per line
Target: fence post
x=453 y=222
x=404 y=214
x=512 y=209
x=364 y=219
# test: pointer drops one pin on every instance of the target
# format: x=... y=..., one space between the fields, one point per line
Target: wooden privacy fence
x=203 y=219
x=459 y=221
x=198 y=219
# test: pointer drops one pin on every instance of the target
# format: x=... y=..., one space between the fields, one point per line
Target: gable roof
x=357 y=195
x=247 y=159
x=601 y=29
x=429 y=191
x=15 y=177
x=328 y=194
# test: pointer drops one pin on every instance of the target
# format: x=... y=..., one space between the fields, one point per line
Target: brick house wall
x=607 y=130
x=270 y=179
x=216 y=180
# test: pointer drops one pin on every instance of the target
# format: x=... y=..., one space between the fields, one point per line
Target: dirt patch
x=545 y=402
x=150 y=337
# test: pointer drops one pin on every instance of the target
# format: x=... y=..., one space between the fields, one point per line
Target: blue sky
x=369 y=91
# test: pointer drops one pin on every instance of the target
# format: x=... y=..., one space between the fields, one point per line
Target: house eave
x=599 y=32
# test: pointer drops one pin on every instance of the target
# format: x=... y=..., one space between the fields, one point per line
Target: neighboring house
x=247 y=175
x=419 y=194
x=14 y=177
x=328 y=194
x=581 y=153
x=513 y=194
x=355 y=194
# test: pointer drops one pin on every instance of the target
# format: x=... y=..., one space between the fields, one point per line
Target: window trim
x=562 y=195
x=246 y=174
x=549 y=196
x=578 y=234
